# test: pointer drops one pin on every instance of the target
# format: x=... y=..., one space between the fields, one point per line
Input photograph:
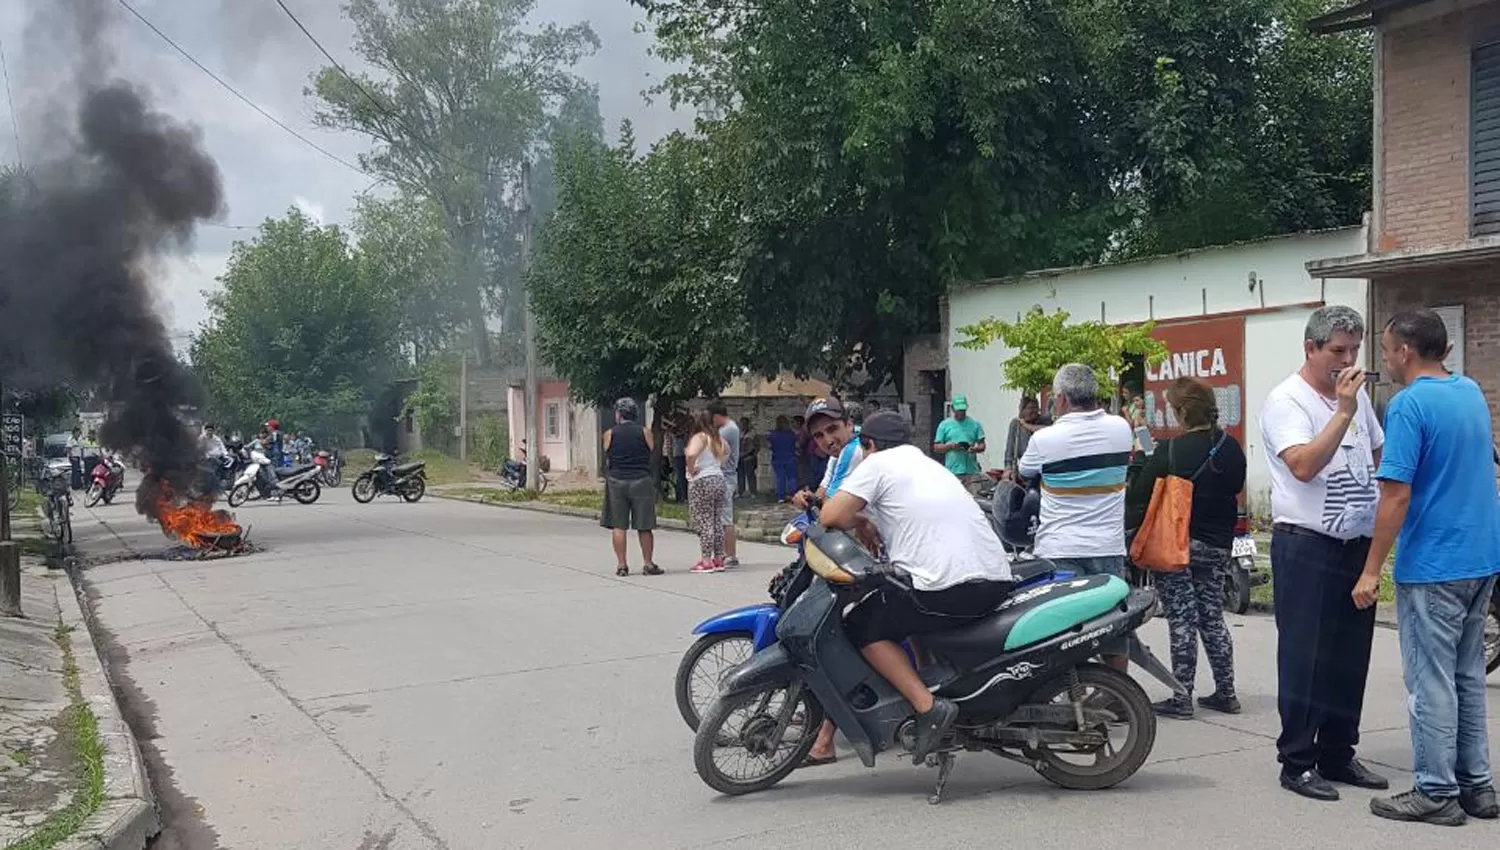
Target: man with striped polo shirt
x=1081 y=460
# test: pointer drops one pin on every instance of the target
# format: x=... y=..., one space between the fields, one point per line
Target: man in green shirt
x=960 y=440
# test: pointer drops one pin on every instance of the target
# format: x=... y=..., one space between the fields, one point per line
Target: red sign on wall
x=1210 y=349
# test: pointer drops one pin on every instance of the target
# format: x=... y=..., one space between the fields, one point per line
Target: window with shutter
x=1484 y=141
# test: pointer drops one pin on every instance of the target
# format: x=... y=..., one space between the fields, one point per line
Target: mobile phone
x=1370 y=377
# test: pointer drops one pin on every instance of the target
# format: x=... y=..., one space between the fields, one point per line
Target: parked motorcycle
x=1492 y=632
x=513 y=473
x=330 y=466
x=260 y=480
x=1023 y=677
x=407 y=480
x=729 y=638
x=106 y=480
x=1243 y=573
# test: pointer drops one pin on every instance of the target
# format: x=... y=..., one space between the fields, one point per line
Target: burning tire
x=239 y=495
x=415 y=490
x=364 y=489
x=308 y=492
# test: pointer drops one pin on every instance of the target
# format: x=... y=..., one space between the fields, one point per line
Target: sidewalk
x=71 y=775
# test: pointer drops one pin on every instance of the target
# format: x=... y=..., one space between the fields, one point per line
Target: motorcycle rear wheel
x=415 y=490
x=724 y=651
x=744 y=724
x=1492 y=636
x=308 y=492
x=95 y=493
x=364 y=489
x=1098 y=683
x=239 y=495
x=1236 y=589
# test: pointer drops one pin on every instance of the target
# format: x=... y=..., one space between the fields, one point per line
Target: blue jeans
x=786 y=477
x=1442 y=655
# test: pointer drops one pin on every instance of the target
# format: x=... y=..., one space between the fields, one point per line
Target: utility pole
x=463 y=407
x=10 y=553
x=533 y=447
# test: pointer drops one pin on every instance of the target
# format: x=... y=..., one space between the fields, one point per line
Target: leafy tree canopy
x=1041 y=343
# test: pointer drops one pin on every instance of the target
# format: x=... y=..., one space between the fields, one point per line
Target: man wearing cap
x=830 y=429
x=959 y=440
x=936 y=534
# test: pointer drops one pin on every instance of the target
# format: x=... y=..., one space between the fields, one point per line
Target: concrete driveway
x=453 y=675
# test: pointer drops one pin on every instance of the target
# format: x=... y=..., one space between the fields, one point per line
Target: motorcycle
x=513 y=473
x=1023 y=677
x=106 y=480
x=727 y=639
x=407 y=480
x=1243 y=574
x=259 y=480
x=1492 y=632
x=330 y=467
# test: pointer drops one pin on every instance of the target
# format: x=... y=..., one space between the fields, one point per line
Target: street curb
x=127 y=818
x=589 y=513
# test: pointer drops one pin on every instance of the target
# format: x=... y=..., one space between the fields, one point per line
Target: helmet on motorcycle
x=1014 y=511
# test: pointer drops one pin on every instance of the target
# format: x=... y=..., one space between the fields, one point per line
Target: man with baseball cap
x=959 y=440
x=935 y=533
x=829 y=426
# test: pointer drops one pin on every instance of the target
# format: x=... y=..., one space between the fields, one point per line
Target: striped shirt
x=1081 y=460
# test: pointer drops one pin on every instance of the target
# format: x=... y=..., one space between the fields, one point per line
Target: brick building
x=1434 y=226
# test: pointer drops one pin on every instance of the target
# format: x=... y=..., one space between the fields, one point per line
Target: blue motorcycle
x=729 y=639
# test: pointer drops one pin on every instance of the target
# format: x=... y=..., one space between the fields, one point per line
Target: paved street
x=452 y=675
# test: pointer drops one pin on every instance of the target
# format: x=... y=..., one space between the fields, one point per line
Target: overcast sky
x=257 y=49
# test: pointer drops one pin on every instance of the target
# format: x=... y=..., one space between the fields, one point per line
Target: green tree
x=296 y=332
x=404 y=252
x=464 y=96
x=634 y=289
x=1043 y=342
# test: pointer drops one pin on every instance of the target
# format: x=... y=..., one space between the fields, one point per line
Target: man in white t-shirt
x=1322 y=443
x=935 y=533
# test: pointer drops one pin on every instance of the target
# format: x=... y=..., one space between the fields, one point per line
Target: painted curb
x=127 y=819
x=589 y=513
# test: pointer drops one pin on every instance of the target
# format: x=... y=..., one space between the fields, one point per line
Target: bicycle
x=54 y=485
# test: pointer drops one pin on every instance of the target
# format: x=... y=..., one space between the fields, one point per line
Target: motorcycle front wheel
x=364 y=489
x=1092 y=768
x=1236 y=589
x=239 y=495
x=95 y=493
x=415 y=490
x=308 y=492
x=738 y=749
x=704 y=664
x=1492 y=636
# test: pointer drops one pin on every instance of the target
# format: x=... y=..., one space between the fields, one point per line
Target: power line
x=248 y=102
x=417 y=137
x=10 y=98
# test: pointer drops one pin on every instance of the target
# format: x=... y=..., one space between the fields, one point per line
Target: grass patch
x=592 y=500
x=36 y=547
x=21 y=757
x=1263 y=595
x=81 y=727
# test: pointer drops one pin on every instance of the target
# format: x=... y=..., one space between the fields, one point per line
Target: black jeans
x=680 y=485
x=1322 y=647
x=746 y=484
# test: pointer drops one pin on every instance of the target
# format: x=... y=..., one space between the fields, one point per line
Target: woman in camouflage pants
x=1193 y=598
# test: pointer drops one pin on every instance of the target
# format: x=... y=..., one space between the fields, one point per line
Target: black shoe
x=931 y=727
x=1174 y=708
x=1356 y=774
x=1310 y=784
x=1225 y=704
x=1418 y=807
x=1479 y=802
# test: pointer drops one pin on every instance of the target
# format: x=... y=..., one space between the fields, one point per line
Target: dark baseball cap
x=887 y=427
x=830 y=407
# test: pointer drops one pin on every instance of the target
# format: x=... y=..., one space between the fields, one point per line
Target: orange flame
x=195 y=522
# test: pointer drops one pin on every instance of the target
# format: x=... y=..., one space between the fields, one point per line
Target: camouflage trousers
x=1194 y=603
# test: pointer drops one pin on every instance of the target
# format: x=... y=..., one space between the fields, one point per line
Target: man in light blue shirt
x=1437 y=487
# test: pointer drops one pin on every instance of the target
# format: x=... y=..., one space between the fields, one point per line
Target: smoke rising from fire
x=119 y=185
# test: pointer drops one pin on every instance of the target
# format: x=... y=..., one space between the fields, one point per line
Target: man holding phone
x=959 y=440
x=1323 y=443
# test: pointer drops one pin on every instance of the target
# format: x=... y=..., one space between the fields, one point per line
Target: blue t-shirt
x=783 y=446
x=848 y=459
x=1438 y=440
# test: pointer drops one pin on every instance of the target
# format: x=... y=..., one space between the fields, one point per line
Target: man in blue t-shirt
x=1437 y=488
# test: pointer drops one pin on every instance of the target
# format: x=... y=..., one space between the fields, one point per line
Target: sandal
x=817 y=761
x=651 y=570
x=622 y=570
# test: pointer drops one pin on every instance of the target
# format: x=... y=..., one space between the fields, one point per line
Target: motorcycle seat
x=289 y=471
x=408 y=468
x=1034 y=614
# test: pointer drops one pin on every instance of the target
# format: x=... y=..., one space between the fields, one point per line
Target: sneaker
x=1223 y=703
x=932 y=726
x=1310 y=784
x=731 y=562
x=1414 y=806
x=1174 y=708
x=1479 y=802
x=706 y=566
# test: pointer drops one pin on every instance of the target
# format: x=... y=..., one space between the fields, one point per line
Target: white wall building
x=1233 y=315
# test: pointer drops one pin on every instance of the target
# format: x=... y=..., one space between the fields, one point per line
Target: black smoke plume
x=79 y=243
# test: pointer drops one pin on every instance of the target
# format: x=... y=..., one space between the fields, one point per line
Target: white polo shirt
x=1081 y=459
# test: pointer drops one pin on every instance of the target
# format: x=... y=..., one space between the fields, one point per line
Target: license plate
x=1244 y=547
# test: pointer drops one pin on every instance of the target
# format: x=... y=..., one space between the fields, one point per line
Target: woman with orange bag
x=1193 y=597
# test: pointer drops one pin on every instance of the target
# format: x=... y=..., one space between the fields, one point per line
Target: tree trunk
x=657 y=432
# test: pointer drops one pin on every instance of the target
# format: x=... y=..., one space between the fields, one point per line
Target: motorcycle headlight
x=824 y=565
